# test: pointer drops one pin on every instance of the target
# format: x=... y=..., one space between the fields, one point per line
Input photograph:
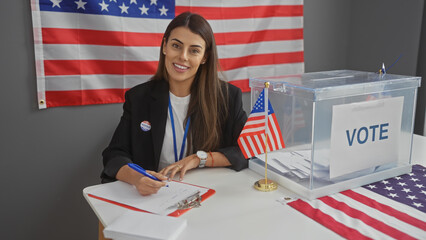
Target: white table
x=238 y=211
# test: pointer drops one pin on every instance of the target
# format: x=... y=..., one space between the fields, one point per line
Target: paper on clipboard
x=159 y=203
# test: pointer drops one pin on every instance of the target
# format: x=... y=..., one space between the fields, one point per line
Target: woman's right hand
x=147 y=186
x=144 y=185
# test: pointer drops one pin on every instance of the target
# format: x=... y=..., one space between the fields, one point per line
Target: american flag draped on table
x=92 y=51
x=394 y=208
x=252 y=137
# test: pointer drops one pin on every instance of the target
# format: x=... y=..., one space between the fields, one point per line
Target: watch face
x=202 y=155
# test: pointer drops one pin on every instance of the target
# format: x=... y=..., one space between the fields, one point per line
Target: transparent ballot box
x=340 y=129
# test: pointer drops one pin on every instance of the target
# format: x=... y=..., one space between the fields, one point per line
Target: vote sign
x=364 y=135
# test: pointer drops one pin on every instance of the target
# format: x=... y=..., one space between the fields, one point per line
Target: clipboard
x=100 y=192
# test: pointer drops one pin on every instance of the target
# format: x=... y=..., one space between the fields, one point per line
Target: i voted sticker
x=145 y=126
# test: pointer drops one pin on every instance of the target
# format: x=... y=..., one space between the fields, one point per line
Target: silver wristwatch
x=203 y=158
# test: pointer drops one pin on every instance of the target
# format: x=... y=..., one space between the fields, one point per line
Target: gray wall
x=420 y=123
x=381 y=31
x=48 y=156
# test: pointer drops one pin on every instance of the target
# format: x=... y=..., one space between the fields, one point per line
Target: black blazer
x=149 y=102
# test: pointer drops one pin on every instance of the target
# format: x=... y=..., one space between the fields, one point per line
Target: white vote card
x=364 y=135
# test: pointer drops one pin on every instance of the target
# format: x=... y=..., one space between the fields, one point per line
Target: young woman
x=185 y=117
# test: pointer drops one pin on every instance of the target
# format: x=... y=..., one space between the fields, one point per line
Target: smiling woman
x=185 y=117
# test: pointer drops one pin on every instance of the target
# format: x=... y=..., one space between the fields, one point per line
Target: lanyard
x=174 y=134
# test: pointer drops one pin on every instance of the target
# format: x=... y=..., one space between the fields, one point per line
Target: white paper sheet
x=295 y=162
x=364 y=135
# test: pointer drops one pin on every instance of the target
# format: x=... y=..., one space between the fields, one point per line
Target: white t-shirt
x=179 y=109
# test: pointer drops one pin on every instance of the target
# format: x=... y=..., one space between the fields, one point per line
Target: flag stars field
x=414 y=179
x=163 y=11
x=418 y=205
x=144 y=10
x=406 y=190
x=412 y=197
x=120 y=7
x=56 y=3
x=104 y=6
x=124 y=8
x=402 y=184
x=80 y=4
x=394 y=195
x=407 y=187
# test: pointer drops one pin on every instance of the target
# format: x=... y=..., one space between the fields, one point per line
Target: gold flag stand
x=266 y=185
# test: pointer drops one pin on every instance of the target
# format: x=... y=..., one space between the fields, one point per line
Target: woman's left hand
x=187 y=163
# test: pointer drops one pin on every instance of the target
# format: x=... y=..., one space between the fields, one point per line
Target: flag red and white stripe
x=252 y=138
x=85 y=57
x=363 y=214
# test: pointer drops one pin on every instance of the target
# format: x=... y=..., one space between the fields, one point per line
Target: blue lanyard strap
x=174 y=133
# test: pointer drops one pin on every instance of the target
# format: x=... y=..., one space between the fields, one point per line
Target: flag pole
x=266 y=102
x=266 y=185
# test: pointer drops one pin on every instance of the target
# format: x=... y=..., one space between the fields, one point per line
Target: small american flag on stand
x=252 y=137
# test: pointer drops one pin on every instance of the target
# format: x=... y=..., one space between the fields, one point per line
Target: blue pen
x=143 y=171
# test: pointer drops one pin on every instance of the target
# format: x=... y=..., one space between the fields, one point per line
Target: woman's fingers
x=181 y=166
x=176 y=168
x=147 y=186
x=158 y=175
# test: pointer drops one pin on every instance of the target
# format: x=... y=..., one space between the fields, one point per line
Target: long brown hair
x=208 y=105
